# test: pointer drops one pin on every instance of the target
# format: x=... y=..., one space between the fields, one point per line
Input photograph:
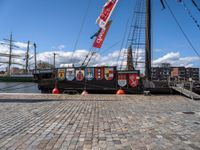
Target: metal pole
x=35 y=56
x=54 y=60
x=27 y=57
x=148 y=41
x=10 y=55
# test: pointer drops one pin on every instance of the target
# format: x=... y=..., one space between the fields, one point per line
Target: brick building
x=165 y=72
x=178 y=73
x=192 y=73
x=161 y=72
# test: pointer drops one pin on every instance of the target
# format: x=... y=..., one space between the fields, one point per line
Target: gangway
x=186 y=92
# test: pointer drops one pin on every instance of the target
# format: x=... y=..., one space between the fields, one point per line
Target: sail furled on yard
x=108 y=8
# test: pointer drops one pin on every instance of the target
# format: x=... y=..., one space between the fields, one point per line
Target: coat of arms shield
x=70 y=74
x=79 y=74
x=109 y=73
x=89 y=73
x=122 y=81
x=133 y=80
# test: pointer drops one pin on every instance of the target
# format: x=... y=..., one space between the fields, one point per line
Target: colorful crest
x=99 y=73
x=89 y=73
x=109 y=73
x=70 y=74
x=133 y=80
x=79 y=74
x=61 y=74
x=122 y=81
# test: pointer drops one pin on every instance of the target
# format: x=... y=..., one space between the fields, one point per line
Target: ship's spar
x=148 y=41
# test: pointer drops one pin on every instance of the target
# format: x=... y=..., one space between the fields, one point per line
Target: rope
x=195 y=4
x=184 y=34
x=98 y=51
x=122 y=43
x=81 y=28
x=86 y=57
x=108 y=49
x=134 y=28
x=139 y=40
x=190 y=14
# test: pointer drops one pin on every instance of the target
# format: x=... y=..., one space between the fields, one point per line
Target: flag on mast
x=106 y=13
x=101 y=36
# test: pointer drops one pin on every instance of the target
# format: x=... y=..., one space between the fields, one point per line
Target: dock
x=186 y=92
x=92 y=122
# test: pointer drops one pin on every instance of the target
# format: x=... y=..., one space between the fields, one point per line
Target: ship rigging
x=108 y=78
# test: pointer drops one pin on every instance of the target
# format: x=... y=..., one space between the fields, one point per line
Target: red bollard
x=56 y=90
x=120 y=92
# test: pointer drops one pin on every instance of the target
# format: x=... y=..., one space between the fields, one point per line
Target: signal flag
x=102 y=20
x=101 y=36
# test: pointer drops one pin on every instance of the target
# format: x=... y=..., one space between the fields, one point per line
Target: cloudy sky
x=55 y=25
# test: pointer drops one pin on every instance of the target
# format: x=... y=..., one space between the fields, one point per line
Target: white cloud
x=175 y=59
x=61 y=47
x=22 y=45
x=169 y=57
x=110 y=59
x=158 y=50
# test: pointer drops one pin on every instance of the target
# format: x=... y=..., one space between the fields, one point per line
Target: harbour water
x=18 y=87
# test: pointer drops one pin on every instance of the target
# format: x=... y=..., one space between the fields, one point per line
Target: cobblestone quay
x=121 y=122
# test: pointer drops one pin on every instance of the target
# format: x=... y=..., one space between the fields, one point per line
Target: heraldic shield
x=61 y=74
x=70 y=74
x=79 y=74
x=99 y=73
x=133 y=81
x=89 y=73
x=109 y=73
x=122 y=81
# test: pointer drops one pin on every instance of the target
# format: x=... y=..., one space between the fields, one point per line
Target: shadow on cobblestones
x=26 y=100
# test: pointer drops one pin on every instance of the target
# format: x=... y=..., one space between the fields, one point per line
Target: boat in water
x=109 y=79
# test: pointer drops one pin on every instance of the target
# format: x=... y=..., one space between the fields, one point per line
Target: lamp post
x=54 y=60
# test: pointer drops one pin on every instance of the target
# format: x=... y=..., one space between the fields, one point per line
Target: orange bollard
x=120 y=92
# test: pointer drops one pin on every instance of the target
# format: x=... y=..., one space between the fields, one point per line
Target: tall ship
x=131 y=74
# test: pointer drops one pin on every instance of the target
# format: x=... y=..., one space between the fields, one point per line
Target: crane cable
x=184 y=34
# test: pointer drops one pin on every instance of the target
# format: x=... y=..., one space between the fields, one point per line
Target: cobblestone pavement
x=137 y=122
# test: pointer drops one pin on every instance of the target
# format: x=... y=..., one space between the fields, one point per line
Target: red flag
x=106 y=13
x=101 y=36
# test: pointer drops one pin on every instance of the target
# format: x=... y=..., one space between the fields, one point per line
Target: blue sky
x=54 y=25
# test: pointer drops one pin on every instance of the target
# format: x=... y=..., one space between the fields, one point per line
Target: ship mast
x=148 y=41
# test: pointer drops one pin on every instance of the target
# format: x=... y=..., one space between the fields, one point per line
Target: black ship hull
x=48 y=79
